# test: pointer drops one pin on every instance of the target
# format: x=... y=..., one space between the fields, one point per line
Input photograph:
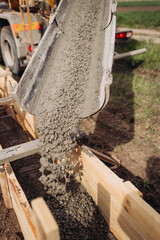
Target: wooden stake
x=21 y=206
x=4 y=188
x=46 y=226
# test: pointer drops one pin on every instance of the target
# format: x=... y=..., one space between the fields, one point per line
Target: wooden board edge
x=135 y=218
x=25 y=119
x=19 y=151
x=36 y=224
x=47 y=227
x=4 y=188
x=21 y=206
x=133 y=188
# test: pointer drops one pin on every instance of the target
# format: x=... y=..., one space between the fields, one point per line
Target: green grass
x=139 y=19
x=137 y=81
x=146 y=94
x=138 y=3
x=150 y=60
x=143 y=184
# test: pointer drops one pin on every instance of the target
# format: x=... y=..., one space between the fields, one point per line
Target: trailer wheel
x=8 y=48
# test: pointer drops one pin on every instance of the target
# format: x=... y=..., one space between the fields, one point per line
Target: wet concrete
x=59 y=105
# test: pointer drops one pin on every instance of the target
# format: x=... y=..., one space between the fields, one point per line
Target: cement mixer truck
x=22 y=25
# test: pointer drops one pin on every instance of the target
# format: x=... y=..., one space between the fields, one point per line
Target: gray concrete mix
x=59 y=103
x=58 y=110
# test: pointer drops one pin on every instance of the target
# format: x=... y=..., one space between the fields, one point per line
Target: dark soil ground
x=9 y=227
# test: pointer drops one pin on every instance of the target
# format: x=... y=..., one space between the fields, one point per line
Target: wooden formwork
x=36 y=222
x=7 y=86
x=127 y=214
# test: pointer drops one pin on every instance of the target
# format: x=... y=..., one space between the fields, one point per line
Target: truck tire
x=1 y=59
x=8 y=49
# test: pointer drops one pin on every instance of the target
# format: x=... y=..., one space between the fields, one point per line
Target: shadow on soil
x=115 y=123
x=115 y=126
x=150 y=187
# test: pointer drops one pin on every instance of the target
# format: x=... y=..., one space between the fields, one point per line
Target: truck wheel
x=8 y=48
x=1 y=59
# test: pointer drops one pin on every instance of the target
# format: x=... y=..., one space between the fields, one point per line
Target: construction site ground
x=115 y=129
x=129 y=126
x=122 y=127
x=140 y=154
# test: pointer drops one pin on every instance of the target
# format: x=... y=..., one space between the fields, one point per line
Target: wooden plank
x=26 y=119
x=6 y=100
x=47 y=228
x=4 y=188
x=133 y=188
x=103 y=157
x=21 y=206
x=19 y=151
x=5 y=73
x=128 y=215
x=115 y=215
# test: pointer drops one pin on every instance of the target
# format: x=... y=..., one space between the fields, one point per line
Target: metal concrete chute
x=79 y=43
